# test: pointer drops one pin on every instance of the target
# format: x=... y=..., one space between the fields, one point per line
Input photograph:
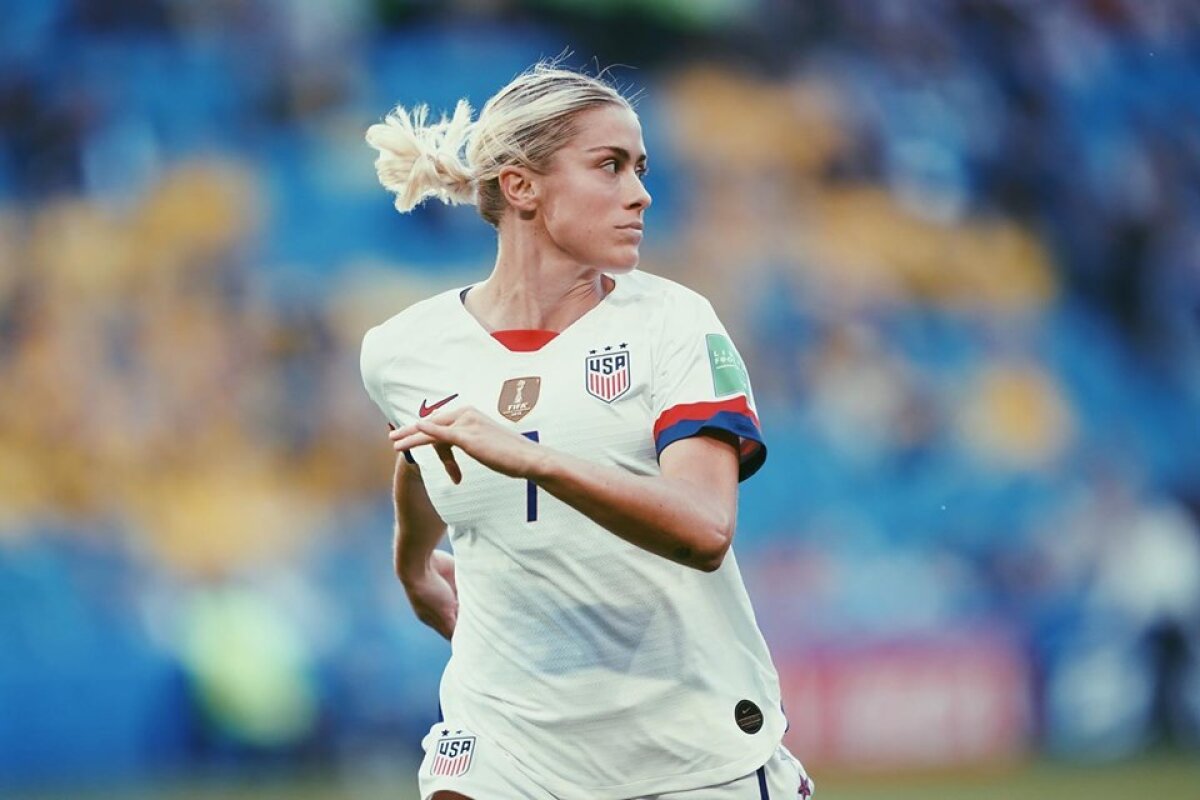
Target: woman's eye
x=611 y=166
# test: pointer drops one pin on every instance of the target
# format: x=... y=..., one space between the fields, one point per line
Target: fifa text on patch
x=518 y=396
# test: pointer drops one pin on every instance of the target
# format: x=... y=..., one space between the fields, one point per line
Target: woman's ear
x=519 y=187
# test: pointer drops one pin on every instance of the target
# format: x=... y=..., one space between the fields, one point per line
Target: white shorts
x=459 y=760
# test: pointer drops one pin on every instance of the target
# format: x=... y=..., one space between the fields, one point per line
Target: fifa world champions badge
x=452 y=756
x=606 y=372
x=518 y=396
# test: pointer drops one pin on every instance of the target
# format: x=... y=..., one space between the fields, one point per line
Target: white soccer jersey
x=606 y=672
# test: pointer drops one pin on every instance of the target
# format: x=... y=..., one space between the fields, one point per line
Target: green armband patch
x=728 y=370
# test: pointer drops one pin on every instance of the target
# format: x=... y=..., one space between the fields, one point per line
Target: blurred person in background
x=603 y=642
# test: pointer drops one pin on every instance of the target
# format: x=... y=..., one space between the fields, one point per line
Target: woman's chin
x=627 y=263
x=621 y=269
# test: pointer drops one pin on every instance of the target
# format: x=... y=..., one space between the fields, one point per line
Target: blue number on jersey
x=531 y=488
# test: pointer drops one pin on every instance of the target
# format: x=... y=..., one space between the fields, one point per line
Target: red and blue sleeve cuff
x=732 y=416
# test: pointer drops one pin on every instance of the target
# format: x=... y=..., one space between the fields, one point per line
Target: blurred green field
x=1158 y=777
x=1173 y=776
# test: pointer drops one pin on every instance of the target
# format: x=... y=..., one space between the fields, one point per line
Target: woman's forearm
x=683 y=519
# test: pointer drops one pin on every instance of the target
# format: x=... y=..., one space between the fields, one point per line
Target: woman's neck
x=529 y=291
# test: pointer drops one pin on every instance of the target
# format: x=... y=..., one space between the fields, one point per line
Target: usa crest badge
x=453 y=756
x=606 y=372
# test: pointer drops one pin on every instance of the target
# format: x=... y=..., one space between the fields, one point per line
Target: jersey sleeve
x=701 y=384
x=373 y=362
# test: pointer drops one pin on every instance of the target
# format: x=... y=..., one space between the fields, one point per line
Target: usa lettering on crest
x=453 y=756
x=606 y=373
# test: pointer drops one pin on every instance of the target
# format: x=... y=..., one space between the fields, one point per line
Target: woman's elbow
x=712 y=562
x=709 y=554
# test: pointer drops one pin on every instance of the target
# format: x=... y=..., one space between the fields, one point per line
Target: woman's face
x=593 y=201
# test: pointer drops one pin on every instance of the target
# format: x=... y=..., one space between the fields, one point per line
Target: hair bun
x=418 y=159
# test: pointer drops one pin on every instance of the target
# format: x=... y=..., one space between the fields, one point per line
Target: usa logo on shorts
x=607 y=372
x=453 y=756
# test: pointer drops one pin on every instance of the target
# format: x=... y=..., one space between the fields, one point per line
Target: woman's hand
x=433 y=593
x=484 y=440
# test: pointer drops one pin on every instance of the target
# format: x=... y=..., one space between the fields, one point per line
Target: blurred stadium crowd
x=958 y=243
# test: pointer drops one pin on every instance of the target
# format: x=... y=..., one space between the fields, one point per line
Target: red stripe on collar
x=524 y=341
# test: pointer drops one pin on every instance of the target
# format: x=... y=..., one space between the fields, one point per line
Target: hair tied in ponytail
x=418 y=159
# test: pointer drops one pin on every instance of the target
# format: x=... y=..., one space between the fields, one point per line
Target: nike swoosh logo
x=425 y=410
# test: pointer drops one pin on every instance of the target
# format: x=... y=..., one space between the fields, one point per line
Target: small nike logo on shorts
x=425 y=410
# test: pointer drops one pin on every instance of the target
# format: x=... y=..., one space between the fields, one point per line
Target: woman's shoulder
x=647 y=288
x=419 y=314
x=412 y=325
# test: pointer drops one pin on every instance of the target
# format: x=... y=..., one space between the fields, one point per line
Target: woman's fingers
x=414 y=439
x=396 y=434
x=438 y=430
x=446 y=453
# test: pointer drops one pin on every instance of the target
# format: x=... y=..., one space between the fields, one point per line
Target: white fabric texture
x=604 y=671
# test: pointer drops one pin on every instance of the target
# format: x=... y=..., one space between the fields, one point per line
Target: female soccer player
x=580 y=430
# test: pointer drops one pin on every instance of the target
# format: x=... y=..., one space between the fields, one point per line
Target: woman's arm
x=687 y=514
x=426 y=573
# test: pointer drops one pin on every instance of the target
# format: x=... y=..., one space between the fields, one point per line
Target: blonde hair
x=459 y=161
